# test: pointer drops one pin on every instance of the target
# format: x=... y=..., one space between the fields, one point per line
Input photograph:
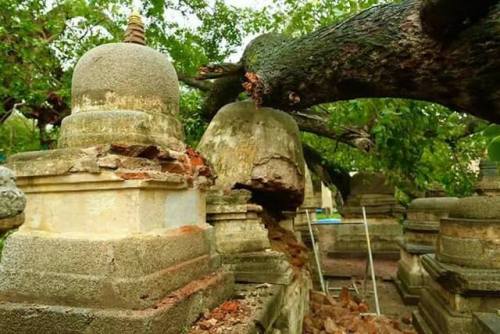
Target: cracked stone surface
x=12 y=200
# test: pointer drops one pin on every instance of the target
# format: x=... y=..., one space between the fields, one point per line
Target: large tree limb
x=446 y=18
x=225 y=90
x=382 y=52
x=354 y=137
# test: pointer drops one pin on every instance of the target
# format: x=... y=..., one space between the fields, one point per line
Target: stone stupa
x=383 y=212
x=462 y=294
x=421 y=231
x=115 y=239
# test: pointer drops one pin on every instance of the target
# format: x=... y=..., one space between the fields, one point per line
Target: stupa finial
x=135 y=29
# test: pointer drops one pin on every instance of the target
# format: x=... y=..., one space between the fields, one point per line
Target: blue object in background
x=3 y=158
x=329 y=221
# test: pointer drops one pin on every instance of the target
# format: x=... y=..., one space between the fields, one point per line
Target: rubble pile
x=347 y=314
x=223 y=318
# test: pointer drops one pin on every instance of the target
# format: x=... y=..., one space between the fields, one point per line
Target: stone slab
x=240 y=236
x=259 y=267
x=486 y=323
x=172 y=315
x=100 y=204
x=122 y=272
x=434 y=317
x=458 y=279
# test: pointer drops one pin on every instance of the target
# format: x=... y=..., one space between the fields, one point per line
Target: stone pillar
x=12 y=202
x=489 y=179
x=383 y=215
x=310 y=204
x=421 y=230
x=465 y=272
x=115 y=238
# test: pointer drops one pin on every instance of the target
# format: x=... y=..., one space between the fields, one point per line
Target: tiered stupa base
x=383 y=213
x=107 y=251
x=171 y=315
x=451 y=296
x=420 y=235
x=242 y=239
x=464 y=275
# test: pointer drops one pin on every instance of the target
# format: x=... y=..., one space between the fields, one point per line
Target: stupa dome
x=124 y=93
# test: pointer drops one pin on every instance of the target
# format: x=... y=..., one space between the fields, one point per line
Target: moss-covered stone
x=257 y=149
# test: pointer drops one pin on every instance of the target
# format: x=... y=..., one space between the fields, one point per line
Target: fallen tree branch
x=444 y=19
x=354 y=137
x=215 y=71
x=383 y=52
x=195 y=83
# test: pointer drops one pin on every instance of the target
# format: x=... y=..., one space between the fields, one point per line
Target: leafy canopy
x=416 y=143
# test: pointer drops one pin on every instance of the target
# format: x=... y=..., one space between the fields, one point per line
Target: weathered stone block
x=170 y=315
x=259 y=267
x=486 y=323
x=12 y=200
x=257 y=149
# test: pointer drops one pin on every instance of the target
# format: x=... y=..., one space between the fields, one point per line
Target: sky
x=193 y=21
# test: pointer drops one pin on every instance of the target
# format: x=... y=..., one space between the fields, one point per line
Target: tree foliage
x=415 y=143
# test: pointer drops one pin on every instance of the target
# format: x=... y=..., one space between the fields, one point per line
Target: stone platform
x=169 y=315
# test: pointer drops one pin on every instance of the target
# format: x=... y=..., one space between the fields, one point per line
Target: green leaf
x=494 y=149
x=492 y=131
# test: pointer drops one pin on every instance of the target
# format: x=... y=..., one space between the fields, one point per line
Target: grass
x=324 y=215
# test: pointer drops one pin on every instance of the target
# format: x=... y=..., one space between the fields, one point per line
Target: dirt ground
x=343 y=272
x=390 y=301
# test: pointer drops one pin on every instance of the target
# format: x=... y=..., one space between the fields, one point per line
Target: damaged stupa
x=115 y=239
x=257 y=149
x=257 y=157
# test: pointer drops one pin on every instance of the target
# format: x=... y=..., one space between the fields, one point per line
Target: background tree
x=415 y=143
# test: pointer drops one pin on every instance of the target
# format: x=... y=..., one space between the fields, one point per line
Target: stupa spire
x=135 y=29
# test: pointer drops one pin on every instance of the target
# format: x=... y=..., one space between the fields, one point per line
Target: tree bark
x=385 y=51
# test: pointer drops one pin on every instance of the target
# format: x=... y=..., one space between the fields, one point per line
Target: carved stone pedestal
x=421 y=230
x=242 y=240
x=464 y=275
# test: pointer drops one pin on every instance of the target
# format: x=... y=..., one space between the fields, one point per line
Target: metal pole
x=370 y=258
x=321 y=281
